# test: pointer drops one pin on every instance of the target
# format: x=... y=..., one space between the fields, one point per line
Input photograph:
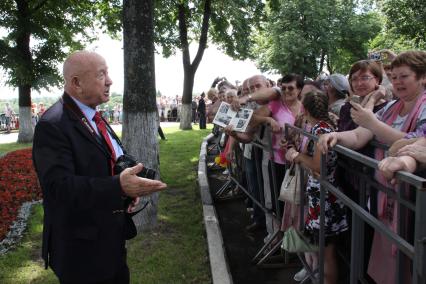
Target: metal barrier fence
x=265 y=146
x=414 y=248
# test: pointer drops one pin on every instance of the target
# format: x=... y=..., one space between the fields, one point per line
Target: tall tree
x=39 y=36
x=140 y=121
x=406 y=18
x=305 y=36
x=227 y=23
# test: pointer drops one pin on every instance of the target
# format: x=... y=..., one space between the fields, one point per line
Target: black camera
x=127 y=161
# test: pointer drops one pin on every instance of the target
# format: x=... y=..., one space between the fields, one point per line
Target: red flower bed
x=18 y=184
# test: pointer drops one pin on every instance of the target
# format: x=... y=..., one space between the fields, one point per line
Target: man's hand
x=133 y=204
x=236 y=104
x=229 y=130
x=134 y=186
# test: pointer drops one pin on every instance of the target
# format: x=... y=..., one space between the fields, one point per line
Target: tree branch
x=203 y=38
x=5 y=51
x=183 y=36
x=38 y=6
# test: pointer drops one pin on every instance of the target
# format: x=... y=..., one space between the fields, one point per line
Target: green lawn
x=174 y=252
x=4 y=148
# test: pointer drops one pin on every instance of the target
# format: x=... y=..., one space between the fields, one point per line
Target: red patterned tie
x=100 y=124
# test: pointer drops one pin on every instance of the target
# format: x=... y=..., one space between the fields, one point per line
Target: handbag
x=294 y=241
x=290 y=188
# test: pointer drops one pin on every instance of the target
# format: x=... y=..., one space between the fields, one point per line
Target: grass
x=174 y=252
x=8 y=147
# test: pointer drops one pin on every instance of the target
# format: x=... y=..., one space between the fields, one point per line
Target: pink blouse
x=282 y=114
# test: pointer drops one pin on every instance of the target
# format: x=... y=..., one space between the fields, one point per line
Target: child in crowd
x=316 y=112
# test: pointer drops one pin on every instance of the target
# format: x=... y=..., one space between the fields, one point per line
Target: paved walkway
x=13 y=137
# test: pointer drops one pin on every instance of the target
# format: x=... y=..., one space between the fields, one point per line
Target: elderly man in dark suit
x=202 y=111
x=86 y=223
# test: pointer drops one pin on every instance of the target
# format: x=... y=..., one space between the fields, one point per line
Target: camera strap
x=139 y=210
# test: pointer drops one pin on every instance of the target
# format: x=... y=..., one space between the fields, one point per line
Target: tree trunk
x=26 y=128
x=186 y=117
x=140 y=116
x=188 y=86
x=26 y=131
x=191 y=68
x=321 y=66
x=330 y=69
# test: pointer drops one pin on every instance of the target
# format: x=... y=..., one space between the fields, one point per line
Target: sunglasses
x=289 y=88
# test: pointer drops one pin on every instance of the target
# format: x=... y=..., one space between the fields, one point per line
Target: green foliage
x=232 y=23
x=47 y=101
x=353 y=42
x=52 y=29
x=407 y=18
x=8 y=147
x=23 y=265
x=302 y=36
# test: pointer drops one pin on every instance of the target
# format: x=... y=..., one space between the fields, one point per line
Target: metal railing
x=274 y=213
x=414 y=249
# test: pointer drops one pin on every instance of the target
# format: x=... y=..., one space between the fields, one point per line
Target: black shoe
x=255 y=227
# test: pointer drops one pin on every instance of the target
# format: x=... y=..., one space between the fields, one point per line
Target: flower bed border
x=16 y=230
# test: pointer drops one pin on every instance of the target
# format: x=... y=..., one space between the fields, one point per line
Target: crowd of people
x=169 y=109
x=383 y=101
x=8 y=119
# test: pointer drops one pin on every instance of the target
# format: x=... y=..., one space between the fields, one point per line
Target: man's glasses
x=289 y=88
x=362 y=79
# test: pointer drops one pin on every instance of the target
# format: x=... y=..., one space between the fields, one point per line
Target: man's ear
x=76 y=84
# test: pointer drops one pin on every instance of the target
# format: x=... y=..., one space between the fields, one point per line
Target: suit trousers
x=121 y=277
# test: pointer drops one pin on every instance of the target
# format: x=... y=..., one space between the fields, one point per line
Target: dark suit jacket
x=201 y=106
x=84 y=221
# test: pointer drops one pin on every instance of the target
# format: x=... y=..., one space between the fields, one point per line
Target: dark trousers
x=161 y=133
x=202 y=120
x=121 y=277
x=194 y=116
x=275 y=190
x=253 y=187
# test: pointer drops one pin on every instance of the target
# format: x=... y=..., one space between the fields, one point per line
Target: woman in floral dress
x=316 y=113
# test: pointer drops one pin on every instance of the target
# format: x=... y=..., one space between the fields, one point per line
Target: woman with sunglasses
x=406 y=114
x=277 y=113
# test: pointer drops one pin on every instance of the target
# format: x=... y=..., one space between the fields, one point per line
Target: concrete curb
x=218 y=263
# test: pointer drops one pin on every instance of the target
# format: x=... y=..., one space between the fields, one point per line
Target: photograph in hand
x=226 y=116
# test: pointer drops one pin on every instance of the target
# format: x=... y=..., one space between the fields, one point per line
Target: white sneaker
x=301 y=275
x=225 y=172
